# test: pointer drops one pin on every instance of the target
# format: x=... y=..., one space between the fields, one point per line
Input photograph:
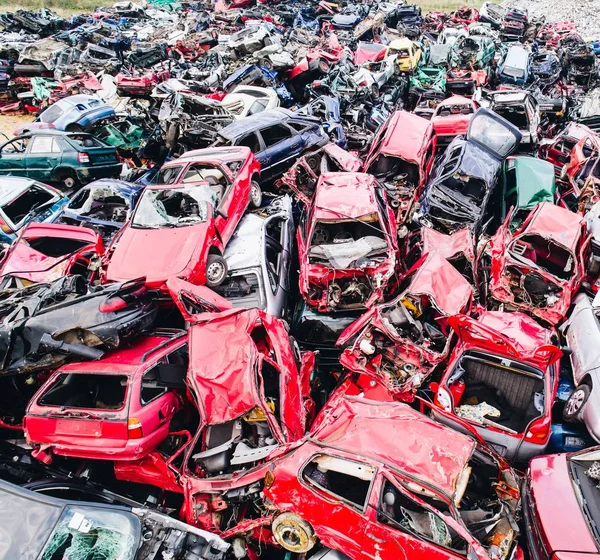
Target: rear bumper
x=98 y=171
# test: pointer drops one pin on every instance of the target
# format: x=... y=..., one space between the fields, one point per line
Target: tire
x=324 y=66
x=375 y=91
x=265 y=63
x=575 y=403
x=216 y=270
x=69 y=180
x=255 y=195
x=73 y=127
x=293 y=533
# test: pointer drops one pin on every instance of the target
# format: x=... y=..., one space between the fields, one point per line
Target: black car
x=36 y=526
x=43 y=325
x=277 y=137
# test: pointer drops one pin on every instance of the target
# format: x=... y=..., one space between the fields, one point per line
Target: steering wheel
x=343 y=237
x=320 y=236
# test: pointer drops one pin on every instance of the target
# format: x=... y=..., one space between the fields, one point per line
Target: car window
x=250 y=141
x=167 y=175
x=150 y=389
x=273 y=256
x=18 y=208
x=205 y=173
x=400 y=512
x=275 y=134
x=347 y=480
x=298 y=127
x=16 y=146
x=86 y=141
x=51 y=114
x=258 y=106
x=43 y=145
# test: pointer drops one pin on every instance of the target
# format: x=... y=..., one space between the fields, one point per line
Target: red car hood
x=562 y=522
x=453 y=124
x=156 y=254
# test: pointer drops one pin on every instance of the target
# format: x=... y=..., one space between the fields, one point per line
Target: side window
x=250 y=141
x=258 y=106
x=16 y=146
x=43 y=145
x=275 y=134
x=273 y=251
x=150 y=389
x=270 y=380
x=299 y=127
x=399 y=511
x=347 y=480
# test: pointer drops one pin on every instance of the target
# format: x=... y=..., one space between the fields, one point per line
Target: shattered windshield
x=544 y=254
x=174 y=207
x=347 y=244
x=93 y=533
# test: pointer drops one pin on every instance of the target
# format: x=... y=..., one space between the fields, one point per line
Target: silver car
x=259 y=259
x=582 y=333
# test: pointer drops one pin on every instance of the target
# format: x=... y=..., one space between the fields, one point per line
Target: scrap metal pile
x=307 y=280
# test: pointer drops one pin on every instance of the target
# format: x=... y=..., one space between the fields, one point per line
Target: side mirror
x=222 y=213
x=171 y=376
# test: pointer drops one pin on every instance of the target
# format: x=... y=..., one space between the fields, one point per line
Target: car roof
x=339 y=196
x=53 y=132
x=260 y=120
x=516 y=56
x=125 y=360
x=407 y=136
x=246 y=248
x=77 y=99
x=425 y=449
x=556 y=223
x=10 y=187
x=228 y=153
x=535 y=181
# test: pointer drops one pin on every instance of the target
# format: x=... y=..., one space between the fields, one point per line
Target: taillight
x=4 y=227
x=443 y=399
x=112 y=305
x=134 y=429
x=83 y=157
x=539 y=430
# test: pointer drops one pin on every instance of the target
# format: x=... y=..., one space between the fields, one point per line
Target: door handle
x=376 y=539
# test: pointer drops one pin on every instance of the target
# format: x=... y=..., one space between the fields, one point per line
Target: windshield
x=174 y=207
x=51 y=114
x=87 y=532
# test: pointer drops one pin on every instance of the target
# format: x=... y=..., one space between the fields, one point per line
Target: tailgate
x=75 y=432
x=103 y=156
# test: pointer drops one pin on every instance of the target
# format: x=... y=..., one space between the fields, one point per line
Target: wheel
x=73 y=127
x=375 y=91
x=255 y=195
x=265 y=63
x=323 y=66
x=216 y=270
x=69 y=180
x=574 y=405
x=293 y=533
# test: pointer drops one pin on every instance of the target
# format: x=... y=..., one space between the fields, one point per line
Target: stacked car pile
x=311 y=280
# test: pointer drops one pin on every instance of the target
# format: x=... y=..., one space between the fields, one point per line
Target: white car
x=250 y=100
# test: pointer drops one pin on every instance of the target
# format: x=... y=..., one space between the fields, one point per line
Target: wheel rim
x=215 y=271
x=69 y=182
x=255 y=194
x=575 y=402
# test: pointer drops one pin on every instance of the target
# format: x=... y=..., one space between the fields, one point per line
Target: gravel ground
x=585 y=13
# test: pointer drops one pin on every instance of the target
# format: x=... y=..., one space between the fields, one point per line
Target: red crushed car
x=252 y=393
x=502 y=379
x=401 y=157
x=303 y=176
x=399 y=343
x=538 y=268
x=140 y=84
x=558 y=150
x=185 y=218
x=47 y=252
x=347 y=243
x=118 y=408
x=567 y=530
x=451 y=118
x=428 y=493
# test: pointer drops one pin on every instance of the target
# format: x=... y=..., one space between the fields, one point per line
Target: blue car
x=24 y=200
x=515 y=66
x=72 y=114
x=104 y=206
x=276 y=137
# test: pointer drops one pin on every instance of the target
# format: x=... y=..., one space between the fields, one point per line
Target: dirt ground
x=8 y=123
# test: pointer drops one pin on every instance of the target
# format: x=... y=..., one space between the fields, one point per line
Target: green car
x=429 y=78
x=70 y=158
x=526 y=181
x=473 y=52
x=123 y=135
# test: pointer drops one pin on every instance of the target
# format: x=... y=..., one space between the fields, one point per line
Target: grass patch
x=70 y=7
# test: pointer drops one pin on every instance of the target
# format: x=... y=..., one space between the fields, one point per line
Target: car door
x=43 y=156
x=282 y=146
x=12 y=157
x=157 y=403
x=493 y=134
x=582 y=333
x=335 y=498
x=405 y=528
x=277 y=262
